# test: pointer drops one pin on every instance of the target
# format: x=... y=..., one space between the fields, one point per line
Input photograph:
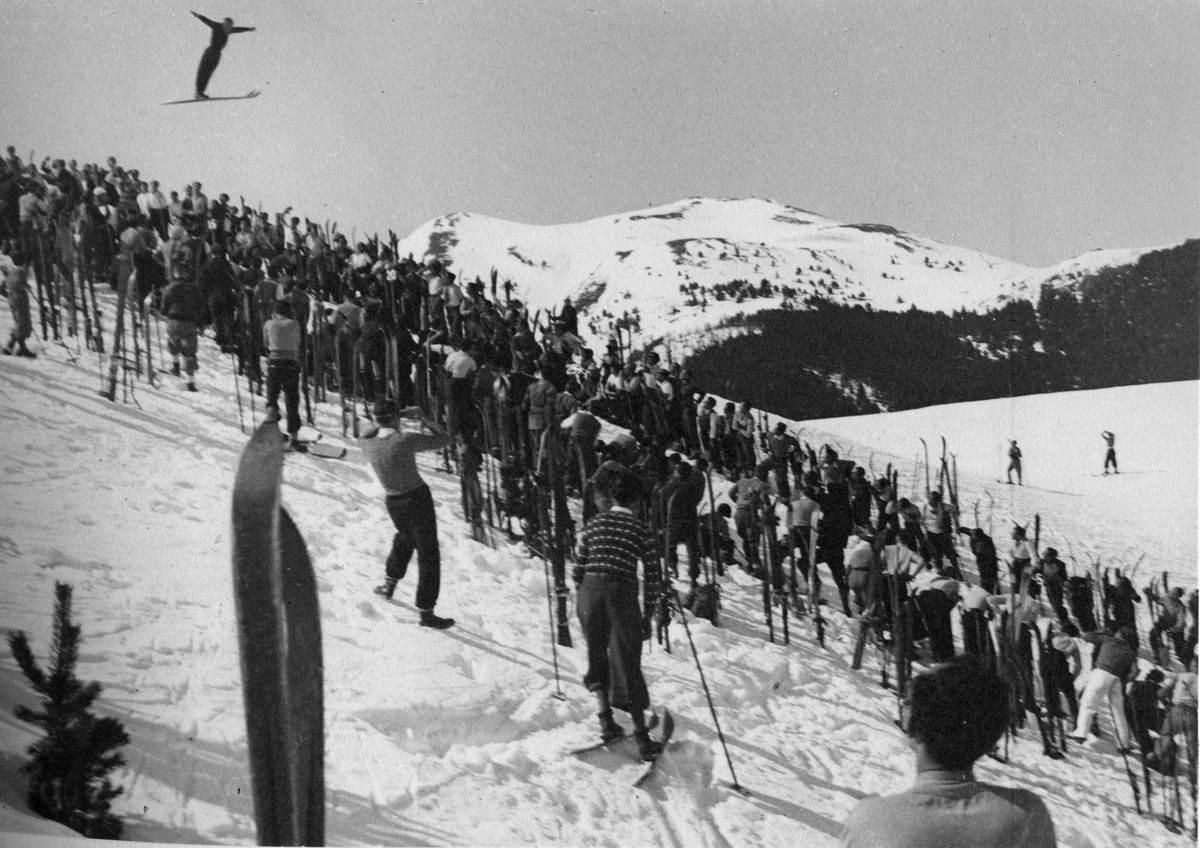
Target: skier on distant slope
x=1110 y=455
x=1014 y=462
x=212 y=54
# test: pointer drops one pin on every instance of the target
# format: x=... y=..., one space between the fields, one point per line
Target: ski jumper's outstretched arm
x=241 y=29
x=211 y=23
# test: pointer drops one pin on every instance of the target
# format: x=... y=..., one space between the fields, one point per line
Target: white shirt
x=459 y=365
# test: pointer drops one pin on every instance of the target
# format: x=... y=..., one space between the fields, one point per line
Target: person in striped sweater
x=614 y=626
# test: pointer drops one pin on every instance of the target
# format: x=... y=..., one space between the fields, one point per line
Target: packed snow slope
x=1086 y=515
x=456 y=737
x=633 y=265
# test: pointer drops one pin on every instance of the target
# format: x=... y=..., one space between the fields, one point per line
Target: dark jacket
x=181 y=301
x=1115 y=654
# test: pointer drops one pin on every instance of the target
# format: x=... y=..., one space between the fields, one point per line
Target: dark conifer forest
x=1125 y=325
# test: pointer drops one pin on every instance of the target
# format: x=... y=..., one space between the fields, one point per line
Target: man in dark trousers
x=392 y=454
x=681 y=496
x=281 y=340
x=606 y=580
x=182 y=307
x=1014 y=462
x=218 y=287
x=986 y=562
x=833 y=529
x=1110 y=453
x=212 y=54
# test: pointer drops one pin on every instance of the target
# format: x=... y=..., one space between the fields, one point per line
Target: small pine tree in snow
x=69 y=766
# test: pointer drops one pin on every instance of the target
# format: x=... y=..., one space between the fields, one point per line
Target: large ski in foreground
x=279 y=634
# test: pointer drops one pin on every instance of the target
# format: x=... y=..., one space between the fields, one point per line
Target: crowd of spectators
x=524 y=398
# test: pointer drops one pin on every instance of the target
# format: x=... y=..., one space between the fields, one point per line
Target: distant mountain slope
x=852 y=317
x=675 y=265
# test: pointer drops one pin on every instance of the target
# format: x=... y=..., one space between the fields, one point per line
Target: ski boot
x=609 y=729
x=648 y=747
x=429 y=619
x=387 y=589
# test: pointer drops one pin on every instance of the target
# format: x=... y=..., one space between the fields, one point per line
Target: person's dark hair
x=283 y=308
x=958 y=710
x=385 y=413
x=724 y=510
x=625 y=489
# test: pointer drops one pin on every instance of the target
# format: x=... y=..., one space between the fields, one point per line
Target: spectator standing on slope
x=956 y=714
x=614 y=627
x=742 y=426
x=1021 y=558
x=749 y=494
x=834 y=528
x=182 y=307
x=393 y=456
x=936 y=521
x=1116 y=663
x=986 y=563
x=17 y=283
x=1110 y=454
x=1054 y=579
x=1179 y=691
x=1172 y=621
x=681 y=496
x=281 y=340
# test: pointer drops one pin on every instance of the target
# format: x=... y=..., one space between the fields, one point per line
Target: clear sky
x=1030 y=130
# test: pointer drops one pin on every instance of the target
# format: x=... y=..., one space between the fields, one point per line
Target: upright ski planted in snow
x=279 y=632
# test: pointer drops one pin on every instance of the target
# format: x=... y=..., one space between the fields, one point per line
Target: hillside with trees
x=1125 y=325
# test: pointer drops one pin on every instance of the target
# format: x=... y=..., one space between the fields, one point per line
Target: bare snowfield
x=456 y=737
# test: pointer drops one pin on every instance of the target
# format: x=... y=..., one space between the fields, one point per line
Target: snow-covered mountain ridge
x=671 y=269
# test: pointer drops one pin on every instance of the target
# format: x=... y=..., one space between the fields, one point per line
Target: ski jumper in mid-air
x=212 y=54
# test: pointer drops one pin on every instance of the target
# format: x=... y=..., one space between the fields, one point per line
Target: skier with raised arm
x=1110 y=455
x=392 y=455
